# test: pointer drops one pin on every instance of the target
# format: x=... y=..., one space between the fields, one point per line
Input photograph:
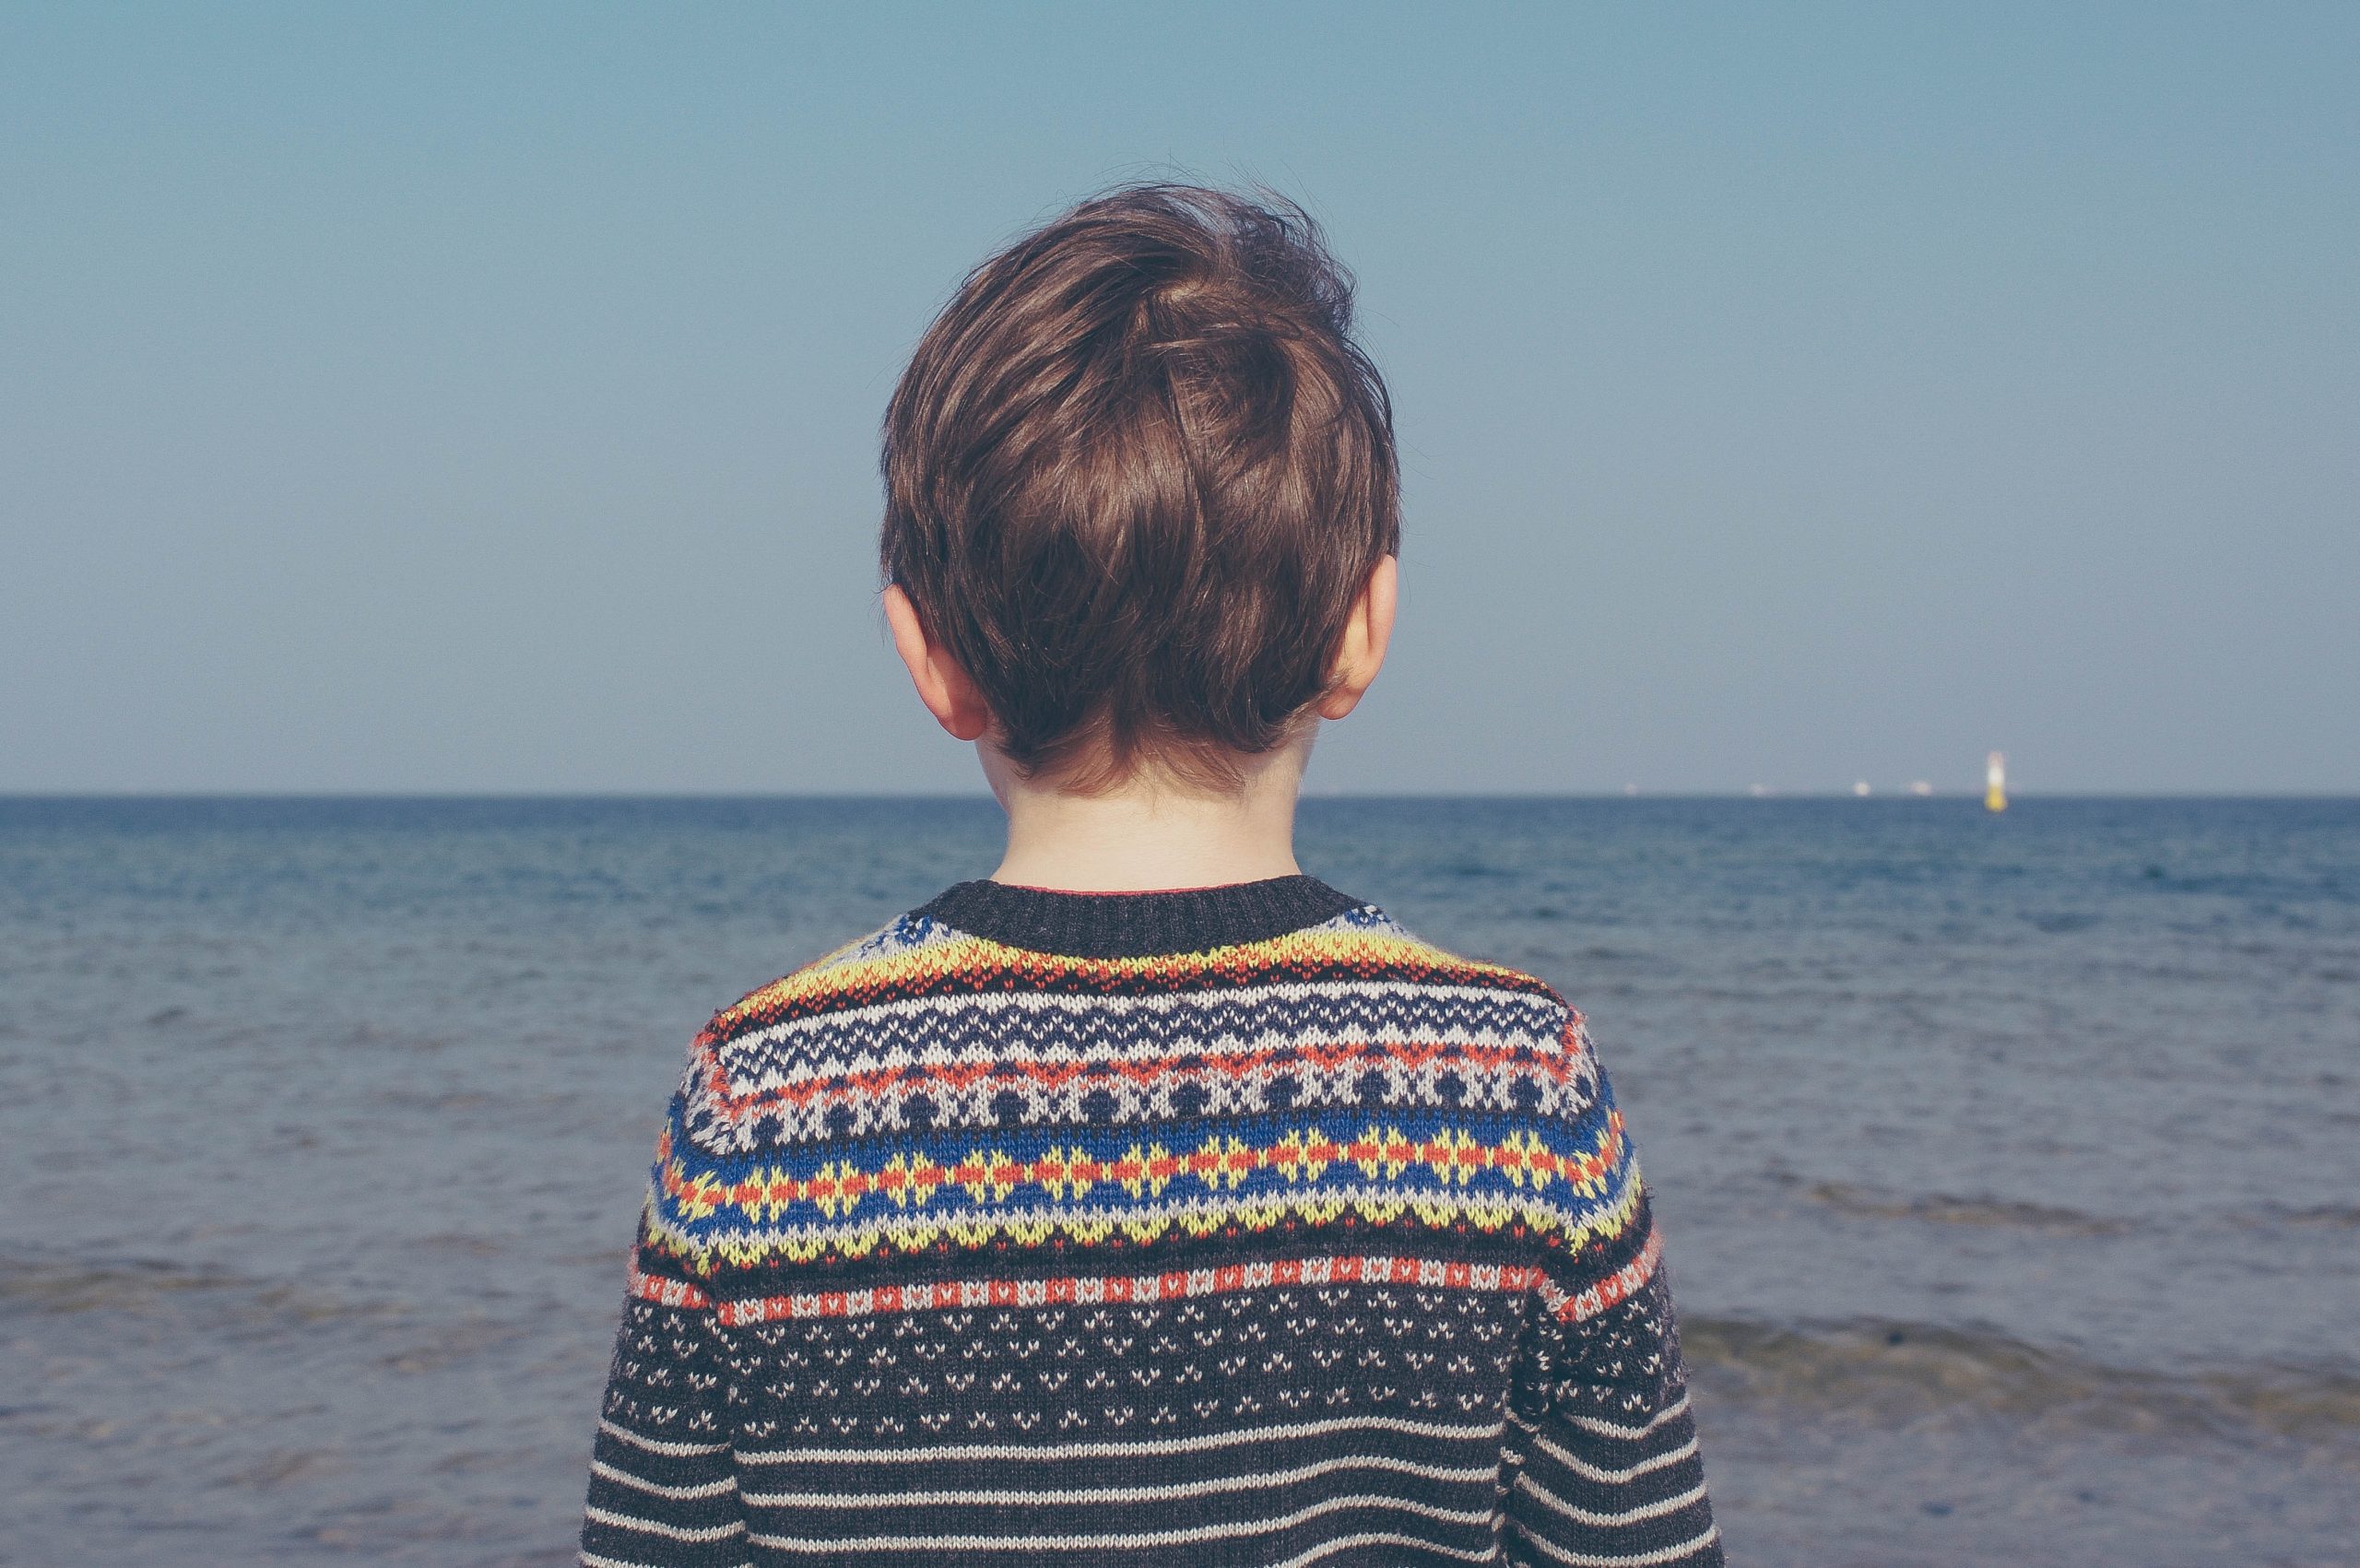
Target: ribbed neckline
x=1105 y=925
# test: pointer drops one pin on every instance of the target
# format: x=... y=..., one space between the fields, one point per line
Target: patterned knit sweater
x=1233 y=1226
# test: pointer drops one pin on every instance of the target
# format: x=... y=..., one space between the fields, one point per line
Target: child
x=1151 y=1202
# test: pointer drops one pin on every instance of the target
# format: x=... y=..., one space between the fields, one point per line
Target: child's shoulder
x=899 y=956
x=921 y=961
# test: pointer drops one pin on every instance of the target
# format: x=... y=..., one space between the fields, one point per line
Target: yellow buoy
x=1995 y=783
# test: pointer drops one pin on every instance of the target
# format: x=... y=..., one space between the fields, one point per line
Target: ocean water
x=2010 y=1165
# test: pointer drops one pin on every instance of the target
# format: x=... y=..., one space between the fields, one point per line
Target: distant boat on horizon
x=1995 y=781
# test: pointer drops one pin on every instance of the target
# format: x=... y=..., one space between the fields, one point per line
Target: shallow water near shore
x=2010 y=1165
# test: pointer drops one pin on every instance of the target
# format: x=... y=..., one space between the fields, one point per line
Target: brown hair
x=1135 y=476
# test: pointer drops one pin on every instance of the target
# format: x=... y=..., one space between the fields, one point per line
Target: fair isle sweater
x=1233 y=1226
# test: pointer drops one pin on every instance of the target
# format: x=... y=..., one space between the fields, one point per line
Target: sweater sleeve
x=1603 y=1469
x=663 y=1475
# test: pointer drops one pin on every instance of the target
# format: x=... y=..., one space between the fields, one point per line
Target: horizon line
x=1748 y=795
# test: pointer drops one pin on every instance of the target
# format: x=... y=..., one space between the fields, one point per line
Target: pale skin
x=1151 y=832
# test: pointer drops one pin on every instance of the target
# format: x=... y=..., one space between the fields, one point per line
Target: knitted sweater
x=1233 y=1226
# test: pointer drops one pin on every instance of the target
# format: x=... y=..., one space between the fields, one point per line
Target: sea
x=2009 y=1164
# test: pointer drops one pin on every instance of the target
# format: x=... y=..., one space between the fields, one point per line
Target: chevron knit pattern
x=1227 y=1227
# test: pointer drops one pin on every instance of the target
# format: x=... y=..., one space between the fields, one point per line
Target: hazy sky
x=413 y=397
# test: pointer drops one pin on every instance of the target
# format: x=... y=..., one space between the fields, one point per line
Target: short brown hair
x=1136 y=475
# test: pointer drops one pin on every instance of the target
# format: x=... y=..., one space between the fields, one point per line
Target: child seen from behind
x=1149 y=1202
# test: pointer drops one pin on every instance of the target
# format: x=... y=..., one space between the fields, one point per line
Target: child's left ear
x=948 y=691
x=1360 y=654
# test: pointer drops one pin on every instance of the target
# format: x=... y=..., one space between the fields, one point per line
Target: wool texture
x=1231 y=1227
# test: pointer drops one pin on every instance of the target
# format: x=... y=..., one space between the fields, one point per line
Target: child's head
x=1137 y=477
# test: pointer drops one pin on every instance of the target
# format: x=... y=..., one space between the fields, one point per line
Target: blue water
x=2010 y=1166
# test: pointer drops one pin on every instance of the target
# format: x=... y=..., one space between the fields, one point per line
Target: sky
x=484 y=397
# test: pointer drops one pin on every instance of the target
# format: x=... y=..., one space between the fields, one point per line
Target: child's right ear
x=954 y=700
x=1360 y=653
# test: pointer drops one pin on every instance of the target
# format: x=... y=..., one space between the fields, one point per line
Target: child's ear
x=1360 y=653
x=954 y=700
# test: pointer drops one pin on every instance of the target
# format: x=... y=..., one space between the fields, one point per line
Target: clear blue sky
x=462 y=398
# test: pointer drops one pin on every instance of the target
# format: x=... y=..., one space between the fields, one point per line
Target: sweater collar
x=1109 y=926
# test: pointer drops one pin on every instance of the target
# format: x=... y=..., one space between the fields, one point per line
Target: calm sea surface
x=2010 y=1166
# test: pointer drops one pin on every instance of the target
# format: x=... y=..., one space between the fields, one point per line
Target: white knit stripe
x=1547 y=1013
x=589 y=1559
x=655 y=1445
x=1630 y=1433
x=1639 y=1515
x=1588 y=1471
x=1121 y=1450
x=819 y=1066
x=1228 y=1531
x=1251 y=1481
x=1385 y=1538
x=685 y=1494
x=1637 y=1560
x=725 y=1115
x=669 y=1532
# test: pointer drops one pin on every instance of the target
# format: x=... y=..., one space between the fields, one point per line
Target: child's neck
x=1148 y=835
